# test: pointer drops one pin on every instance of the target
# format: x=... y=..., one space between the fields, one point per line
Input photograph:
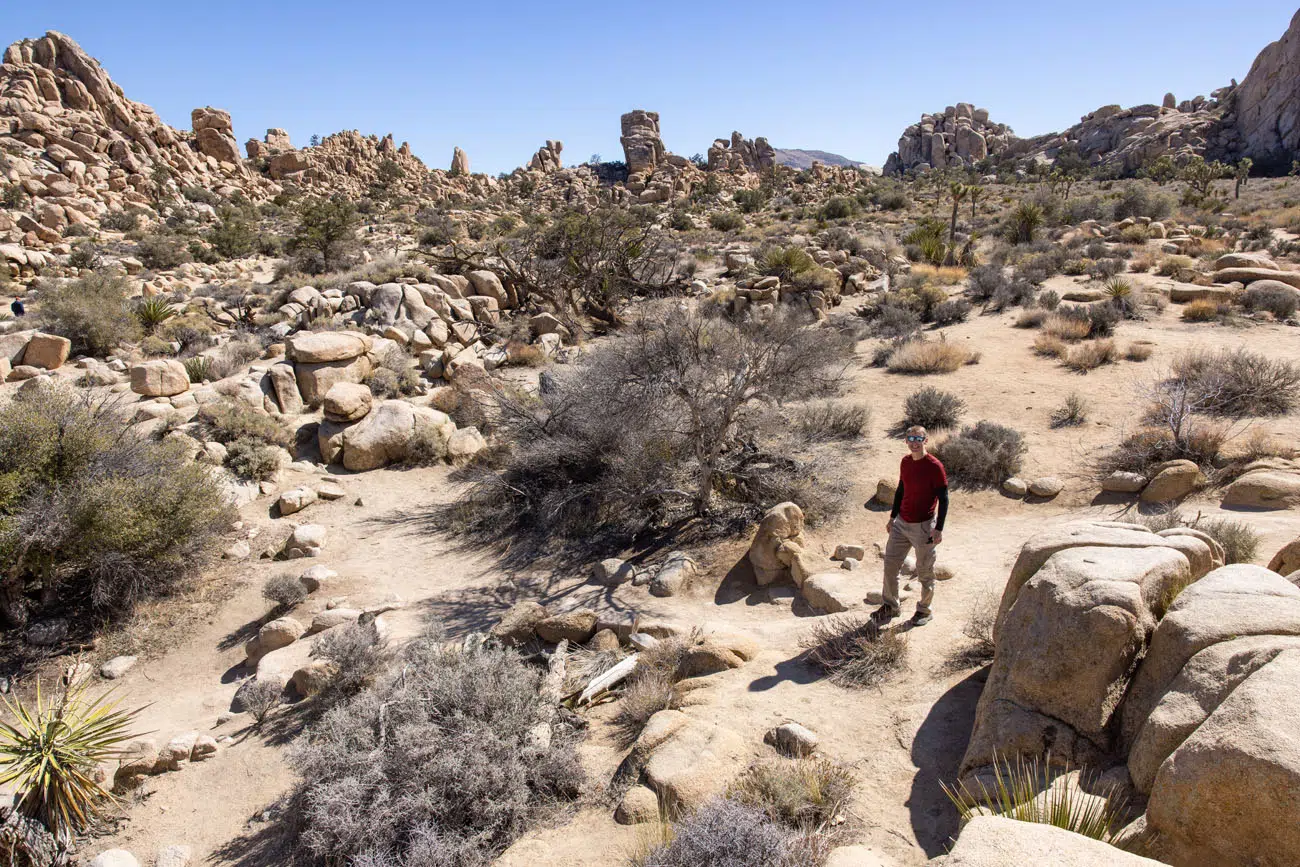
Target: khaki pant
x=902 y=538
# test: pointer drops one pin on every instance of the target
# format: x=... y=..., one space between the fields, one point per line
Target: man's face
x=915 y=443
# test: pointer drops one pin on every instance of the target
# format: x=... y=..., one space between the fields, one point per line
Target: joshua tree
x=958 y=191
x=1242 y=175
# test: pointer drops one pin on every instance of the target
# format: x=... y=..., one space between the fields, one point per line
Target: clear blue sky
x=498 y=79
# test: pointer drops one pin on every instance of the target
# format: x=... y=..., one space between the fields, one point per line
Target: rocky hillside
x=1256 y=119
x=799 y=158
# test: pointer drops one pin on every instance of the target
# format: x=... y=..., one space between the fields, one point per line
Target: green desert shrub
x=727 y=221
x=91 y=311
x=932 y=409
x=92 y=518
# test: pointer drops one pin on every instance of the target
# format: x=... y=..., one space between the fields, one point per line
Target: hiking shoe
x=921 y=618
x=884 y=614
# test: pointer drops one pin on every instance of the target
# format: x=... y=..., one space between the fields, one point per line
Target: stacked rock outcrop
x=547 y=158
x=741 y=154
x=959 y=136
x=1116 y=646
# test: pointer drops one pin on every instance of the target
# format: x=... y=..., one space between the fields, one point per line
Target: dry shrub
x=1139 y=350
x=1239 y=383
x=854 y=651
x=1202 y=310
x=923 y=357
x=1050 y=346
x=1173 y=266
x=1064 y=327
x=1142 y=450
x=1090 y=356
x=1240 y=541
x=91 y=311
x=1031 y=318
x=358 y=653
x=798 y=793
x=726 y=833
x=932 y=409
x=1072 y=413
x=982 y=456
x=284 y=590
x=435 y=764
x=831 y=420
x=260 y=698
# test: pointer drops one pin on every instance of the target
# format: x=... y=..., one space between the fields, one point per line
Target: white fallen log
x=610 y=678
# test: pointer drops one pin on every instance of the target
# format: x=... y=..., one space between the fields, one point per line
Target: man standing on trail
x=915 y=522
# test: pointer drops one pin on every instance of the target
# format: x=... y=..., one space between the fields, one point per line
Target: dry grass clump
x=1090 y=356
x=1139 y=350
x=932 y=409
x=945 y=275
x=1203 y=310
x=726 y=833
x=1072 y=413
x=1064 y=327
x=1050 y=346
x=284 y=590
x=798 y=793
x=854 y=651
x=1240 y=541
x=649 y=689
x=1031 y=318
x=922 y=357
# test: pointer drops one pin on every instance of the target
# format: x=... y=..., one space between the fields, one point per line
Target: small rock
x=77 y=673
x=885 y=490
x=604 y=641
x=115 y=858
x=675 y=575
x=296 y=500
x=639 y=805
x=316 y=577
x=175 y=856
x=238 y=551
x=1015 y=487
x=792 y=739
x=205 y=746
x=519 y=624
x=1047 y=486
x=846 y=552
x=178 y=750
x=575 y=626
x=1124 y=483
x=305 y=541
x=612 y=572
x=330 y=491
x=850 y=563
x=116 y=667
x=47 y=632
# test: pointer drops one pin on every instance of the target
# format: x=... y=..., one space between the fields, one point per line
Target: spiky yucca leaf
x=153 y=312
x=51 y=749
x=1024 y=791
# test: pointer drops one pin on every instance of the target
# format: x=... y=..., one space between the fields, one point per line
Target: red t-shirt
x=922 y=480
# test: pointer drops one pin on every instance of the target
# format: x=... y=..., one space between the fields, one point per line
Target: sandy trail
x=901 y=739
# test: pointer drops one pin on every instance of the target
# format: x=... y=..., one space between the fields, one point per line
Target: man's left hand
x=937 y=536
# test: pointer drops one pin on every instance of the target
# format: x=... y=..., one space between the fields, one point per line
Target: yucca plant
x=1024 y=791
x=153 y=312
x=51 y=748
x=199 y=368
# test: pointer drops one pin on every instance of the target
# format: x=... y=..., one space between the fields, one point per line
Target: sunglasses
x=915 y=439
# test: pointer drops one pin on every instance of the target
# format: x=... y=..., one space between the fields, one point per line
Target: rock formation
x=547 y=158
x=1117 y=647
x=459 y=162
x=643 y=149
x=741 y=154
x=1265 y=109
x=959 y=136
x=215 y=136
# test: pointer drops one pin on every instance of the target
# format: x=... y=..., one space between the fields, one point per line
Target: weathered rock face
x=215 y=135
x=1266 y=106
x=993 y=841
x=1077 y=613
x=1211 y=718
x=459 y=162
x=741 y=154
x=547 y=158
x=643 y=149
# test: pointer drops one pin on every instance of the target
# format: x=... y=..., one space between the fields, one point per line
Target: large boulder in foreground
x=1066 y=649
x=386 y=435
x=1230 y=794
x=992 y=841
x=160 y=378
x=322 y=359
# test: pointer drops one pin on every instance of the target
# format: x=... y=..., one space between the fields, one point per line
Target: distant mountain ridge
x=798 y=158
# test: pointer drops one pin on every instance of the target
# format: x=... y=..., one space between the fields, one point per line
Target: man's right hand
x=889 y=525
